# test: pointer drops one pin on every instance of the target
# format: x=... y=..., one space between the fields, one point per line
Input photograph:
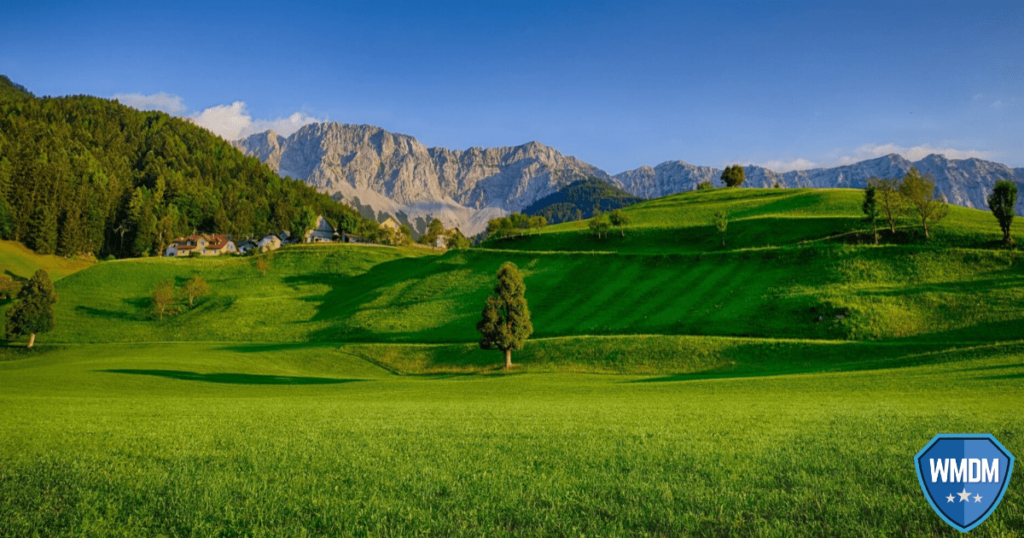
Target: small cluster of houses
x=220 y=244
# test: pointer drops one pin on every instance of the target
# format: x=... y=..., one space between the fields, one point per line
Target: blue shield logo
x=964 y=476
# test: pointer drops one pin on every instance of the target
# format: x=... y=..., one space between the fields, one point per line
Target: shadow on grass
x=109 y=314
x=236 y=379
x=1004 y=377
x=852 y=357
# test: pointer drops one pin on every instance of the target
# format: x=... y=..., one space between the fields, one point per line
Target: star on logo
x=964 y=496
x=950 y=498
x=977 y=498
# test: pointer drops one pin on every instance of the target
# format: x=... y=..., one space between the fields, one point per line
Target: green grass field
x=758 y=218
x=775 y=387
x=184 y=440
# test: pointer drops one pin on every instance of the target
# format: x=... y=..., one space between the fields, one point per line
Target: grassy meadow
x=778 y=386
x=206 y=440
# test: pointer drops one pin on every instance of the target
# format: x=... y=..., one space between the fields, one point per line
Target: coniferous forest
x=81 y=174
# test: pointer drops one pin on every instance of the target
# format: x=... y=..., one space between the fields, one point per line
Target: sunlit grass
x=210 y=440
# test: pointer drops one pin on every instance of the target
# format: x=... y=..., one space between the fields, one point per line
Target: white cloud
x=787 y=166
x=233 y=122
x=166 y=102
x=913 y=153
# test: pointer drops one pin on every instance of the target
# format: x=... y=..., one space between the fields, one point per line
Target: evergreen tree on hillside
x=41 y=232
x=506 y=325
x=33 y=312
x=1002 y=202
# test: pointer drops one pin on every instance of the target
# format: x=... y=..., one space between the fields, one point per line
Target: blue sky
x=619 y=85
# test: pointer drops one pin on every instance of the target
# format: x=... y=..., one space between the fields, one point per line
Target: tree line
x=887 y=201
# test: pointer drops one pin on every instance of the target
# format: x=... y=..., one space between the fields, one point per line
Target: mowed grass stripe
x=681 y=305
x=645 y=290
x=739 y=277
x=577 y=293
x=676 y=284
x=607 y=302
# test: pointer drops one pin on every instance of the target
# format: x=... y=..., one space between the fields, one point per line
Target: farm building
x=323 y=232
x=391 y=223
x=270 y=242
x=245 y=246
x=201 y=245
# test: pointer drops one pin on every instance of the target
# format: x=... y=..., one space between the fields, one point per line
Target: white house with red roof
x=201 y=245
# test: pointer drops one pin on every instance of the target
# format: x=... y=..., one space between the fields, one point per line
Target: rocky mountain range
x=382 y=173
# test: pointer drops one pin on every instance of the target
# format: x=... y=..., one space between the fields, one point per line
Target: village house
x=323 y=232
x=270 y=242
x=391 y=223
x=201 y=245
x=245 y=246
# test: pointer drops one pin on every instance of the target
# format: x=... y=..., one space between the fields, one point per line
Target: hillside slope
x=817 y=286
x=19 y=262
x=758 y=218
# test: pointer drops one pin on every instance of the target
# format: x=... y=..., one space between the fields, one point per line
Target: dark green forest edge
x=83 y=175
x=579 y=200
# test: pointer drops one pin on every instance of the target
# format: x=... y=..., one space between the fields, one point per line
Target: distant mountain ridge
x=383 y=173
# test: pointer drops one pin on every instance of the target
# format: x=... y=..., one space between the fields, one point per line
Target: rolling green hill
x=273 y=407
x=758 y=218
x=816 y=286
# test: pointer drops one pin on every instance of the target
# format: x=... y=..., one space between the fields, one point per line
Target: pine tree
x=42 y=231
x=33 y=312
x=506 y=317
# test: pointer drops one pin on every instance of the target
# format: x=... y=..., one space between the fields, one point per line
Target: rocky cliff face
x=382 y=173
